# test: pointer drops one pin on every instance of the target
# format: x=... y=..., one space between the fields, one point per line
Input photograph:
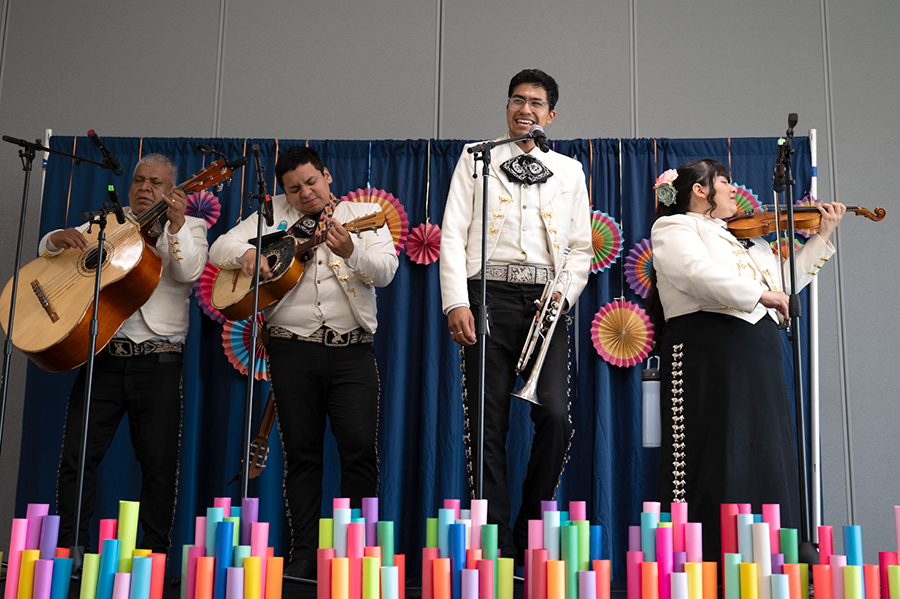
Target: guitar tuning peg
x=218 y=187
x=228 y=181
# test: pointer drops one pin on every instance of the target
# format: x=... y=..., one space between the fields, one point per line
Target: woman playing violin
x=716 y=301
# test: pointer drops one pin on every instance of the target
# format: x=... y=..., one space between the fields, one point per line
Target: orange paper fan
x=393 y=210
x=622 y=333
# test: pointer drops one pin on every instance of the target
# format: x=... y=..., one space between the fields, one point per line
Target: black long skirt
x=728 y=435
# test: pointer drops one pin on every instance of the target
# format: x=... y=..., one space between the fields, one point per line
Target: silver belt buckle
x=521 y=274
x=121 y=348
x=335 y=339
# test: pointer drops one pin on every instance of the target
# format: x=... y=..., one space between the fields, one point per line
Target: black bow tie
x=525 y=168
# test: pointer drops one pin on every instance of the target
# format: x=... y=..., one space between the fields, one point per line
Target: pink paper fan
x=236 y=341
x=202 y=204
x=638 y=265
x=622 y=333
x=808 y=199
x=393 y=210
x=606 y=238
x=424 y=243
x=203 y=292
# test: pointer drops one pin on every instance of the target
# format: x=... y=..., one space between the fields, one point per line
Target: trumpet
x=541 y=332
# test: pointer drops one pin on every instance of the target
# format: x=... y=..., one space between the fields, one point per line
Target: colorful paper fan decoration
x=783 y=247
x=622 y=333
x=606 y=237
x=808 y=199
x=424 y=243
x=393 y=212
x=236 y=341
x=638 y=265
x=203 y=292
x=202 y=204
x=747 y=201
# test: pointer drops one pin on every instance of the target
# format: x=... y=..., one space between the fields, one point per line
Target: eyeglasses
x=518 y=102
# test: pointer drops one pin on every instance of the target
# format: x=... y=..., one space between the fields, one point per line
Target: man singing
x=537 y=207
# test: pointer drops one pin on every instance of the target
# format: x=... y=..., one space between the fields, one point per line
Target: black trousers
x=313 y=382
x=148 y=389
x=511 y=310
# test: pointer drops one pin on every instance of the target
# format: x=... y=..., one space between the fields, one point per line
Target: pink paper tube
x=469 y=584
x=837 y=563
x=249 y=515
x=650 y=507
x=108 y=531
x=452 y=504
x=341 y=503
x=693 y=542
x=370 y=513
x=35 y=512
x=771 y=513
x=826 y=545
x=529 y=578
x=885 y=559
x=259 y=547
x=577 y=511
x=49 y=536
x=536 y=534
x=234 y=583
x=355 y=551
x=43 y=578
x=190 y=578
x=664 y=558
x=429 y=554
x=121 y=585
x=478 y=513
x=634 y=538
x=539 y=559
x=633 y=560
x=486 y=579
x=744 y=508
x=224 y=503
x=897 y=525
x=323 y=572
x=679 y=519
x=14 y=559
x=200 y=532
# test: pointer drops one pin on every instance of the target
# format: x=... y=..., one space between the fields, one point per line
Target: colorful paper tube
x=539 y=573
x=584 y=544
x=122 y=585
x=441 y=578
x=556 y=578
x=771 y=514
x=587 y=585
x=43 y=578
x=26 y=572
x=504 y=578
x=89 y=569
x=390 y=582
x=252 y=569
x=274 y=577
x=664 y=557
x=249 y=515
x=577 y=511
x=385 y=535
x=127 y=532
x=470 y=583
x=728 y=518
x=259 y=547
x=141 y=577
x=478 y=514
x=486 y=579
x=633 y=560
x=596 y=542
x=341 y=522
x=429 y=554
x=780 y=586
x=34 y=513
x=853 y=581
x=822 y=580
x=551 y=520
x=790 y=545
x=649 y=580
x=323 y=572
x=456 y=539
x=710 y=579
x=62 y=573
x=762 y=558
x=370 y=577
x=326 y=533
x=750 y=581
x=431 y=533
x=694 y=571
x=893 y=582
x=731 y=568
x=109 y=565
x=234 y=583
x=569 y=555
x=826 y=545
x=853 y=545
x=838 y=562
x=370 y=513
x=649 y=520
x=871 y=581
x=679 y=585
x=158 y=575
x=693 y=542
x=446 y=517
x=16 y=545
x=49 y=535
x=885 y=559
x=792 y=571
x=223 y=553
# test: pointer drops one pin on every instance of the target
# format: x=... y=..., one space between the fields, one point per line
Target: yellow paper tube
x=694 y=573
x=340 y=578
x=556 y=579
x=89 y=571
x=852 y=582
x=326 y=533
x=506 y=566
x=749 y=581
x=894 y=581
x=371 y=582
x=251 y=577
x=141 y=553
x=26 y=572
x=127 y=532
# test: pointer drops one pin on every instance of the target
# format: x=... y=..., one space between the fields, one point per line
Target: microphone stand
x=783 y=182
x=482 y=152
x=27 y=154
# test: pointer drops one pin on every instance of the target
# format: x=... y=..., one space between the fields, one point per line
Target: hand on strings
x=462 y=325
x=69 y=238
x=248 y=265
x=339 y=241
x=777 y=300
x=831 y=215
x=177 y=203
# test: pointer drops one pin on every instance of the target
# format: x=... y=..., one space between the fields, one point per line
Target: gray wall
x=412 y=69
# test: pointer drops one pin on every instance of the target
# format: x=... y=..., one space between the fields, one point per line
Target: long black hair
x=704 y=172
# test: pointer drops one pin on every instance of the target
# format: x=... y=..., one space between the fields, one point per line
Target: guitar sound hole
x=88 y=262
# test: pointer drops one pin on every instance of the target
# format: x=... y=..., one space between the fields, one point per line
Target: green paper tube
x=789 y=545
x=385 y=535
x=326 y=533
x=505 y=568
x=237 y=529
x=240 y=552
x=732 y=571
x=370 y=577
x=804 y=581
x=894 y=581
x=184 y=567
x=89 y=570
x=584 y=544
x=568 y=549
x=489 y=548
x=127 y=532
x=853 y=582
x=431 y=533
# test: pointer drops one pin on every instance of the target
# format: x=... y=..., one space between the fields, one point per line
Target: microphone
x=266 y=200
x=540 y=138
x=204 y=149
x=108 y=157
x=116 y=204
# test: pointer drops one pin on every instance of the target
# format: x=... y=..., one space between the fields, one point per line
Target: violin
x=756 y=224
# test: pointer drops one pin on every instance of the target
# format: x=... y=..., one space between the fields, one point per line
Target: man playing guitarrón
x=319 y=346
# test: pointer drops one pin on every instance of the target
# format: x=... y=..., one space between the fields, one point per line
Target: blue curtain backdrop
x=421 y=423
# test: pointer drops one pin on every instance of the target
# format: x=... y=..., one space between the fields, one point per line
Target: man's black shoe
x=301 y=568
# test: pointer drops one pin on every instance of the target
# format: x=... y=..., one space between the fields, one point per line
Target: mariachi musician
x=319 y=341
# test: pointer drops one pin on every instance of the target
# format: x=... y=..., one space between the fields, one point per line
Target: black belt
x=324 y=336
x=126 y=348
